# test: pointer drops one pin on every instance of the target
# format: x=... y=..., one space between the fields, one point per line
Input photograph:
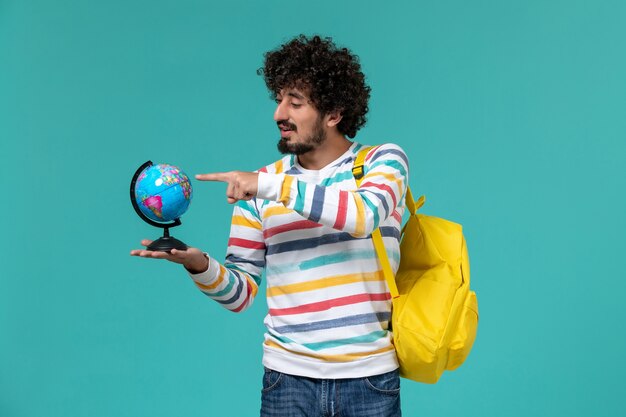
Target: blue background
x=512 y=113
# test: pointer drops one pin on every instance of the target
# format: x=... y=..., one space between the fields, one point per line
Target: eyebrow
x=296 y=95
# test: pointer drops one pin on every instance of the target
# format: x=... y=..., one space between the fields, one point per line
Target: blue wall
x=512 y=113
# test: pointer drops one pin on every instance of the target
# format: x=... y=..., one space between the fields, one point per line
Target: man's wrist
x=199 y=267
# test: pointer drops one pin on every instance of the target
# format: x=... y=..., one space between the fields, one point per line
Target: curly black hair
x=332 y=77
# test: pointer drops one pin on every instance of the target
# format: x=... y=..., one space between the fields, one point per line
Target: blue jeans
x=286 y=395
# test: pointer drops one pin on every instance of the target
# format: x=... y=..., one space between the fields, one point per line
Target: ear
x=333 y=118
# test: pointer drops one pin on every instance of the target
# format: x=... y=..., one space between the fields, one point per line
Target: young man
x=328 y=348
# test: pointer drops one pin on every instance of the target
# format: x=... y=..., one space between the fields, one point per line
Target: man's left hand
x=241 y=185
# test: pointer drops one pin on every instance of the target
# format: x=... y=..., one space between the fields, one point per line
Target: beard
x=317 y=137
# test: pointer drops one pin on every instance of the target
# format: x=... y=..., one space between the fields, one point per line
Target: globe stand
x=165 y=243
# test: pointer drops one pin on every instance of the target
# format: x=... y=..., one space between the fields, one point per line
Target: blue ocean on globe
x=163 y=192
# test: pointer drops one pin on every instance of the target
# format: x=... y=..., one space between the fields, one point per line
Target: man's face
x=301 y=124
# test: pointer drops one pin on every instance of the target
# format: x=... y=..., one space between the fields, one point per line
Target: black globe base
x=166 y=243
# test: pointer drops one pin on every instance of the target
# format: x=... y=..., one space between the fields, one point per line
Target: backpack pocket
x=465 y=334
x=426 y=308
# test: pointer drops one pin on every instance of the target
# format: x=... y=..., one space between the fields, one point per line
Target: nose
x=281 y=111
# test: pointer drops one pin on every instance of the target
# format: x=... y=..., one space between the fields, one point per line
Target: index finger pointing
x=216 y=176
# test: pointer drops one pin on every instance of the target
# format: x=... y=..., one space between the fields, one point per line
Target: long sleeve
x=235 y=283
x=357 y=212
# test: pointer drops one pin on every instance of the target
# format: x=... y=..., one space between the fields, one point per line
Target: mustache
x=285 y=123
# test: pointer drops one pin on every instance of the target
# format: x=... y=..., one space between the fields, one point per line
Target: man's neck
x=333 y=147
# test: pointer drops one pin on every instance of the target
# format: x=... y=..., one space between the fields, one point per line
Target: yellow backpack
x=435 y=314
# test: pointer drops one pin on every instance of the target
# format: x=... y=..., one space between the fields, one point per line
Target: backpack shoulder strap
x=358 y=172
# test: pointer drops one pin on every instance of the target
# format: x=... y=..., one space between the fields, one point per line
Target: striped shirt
x=329 y=305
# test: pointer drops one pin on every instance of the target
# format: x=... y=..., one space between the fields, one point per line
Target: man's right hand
x=193 y=259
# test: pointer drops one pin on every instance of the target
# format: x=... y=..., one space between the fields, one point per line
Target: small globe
x=163 y=192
